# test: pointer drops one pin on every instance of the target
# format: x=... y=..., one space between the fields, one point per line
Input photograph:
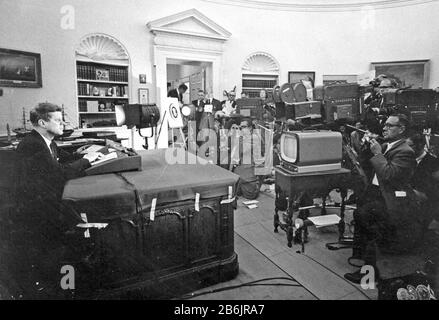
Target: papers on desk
x=79 y=141
x=251 y=204
x=325 y=221
x=93 y=148
x=109 y=156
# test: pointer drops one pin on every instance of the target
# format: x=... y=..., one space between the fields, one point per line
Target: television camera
x=337 y=107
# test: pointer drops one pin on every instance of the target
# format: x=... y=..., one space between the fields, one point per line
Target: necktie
x=53 y=149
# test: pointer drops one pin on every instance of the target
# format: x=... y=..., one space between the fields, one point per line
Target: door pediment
x=190 y=23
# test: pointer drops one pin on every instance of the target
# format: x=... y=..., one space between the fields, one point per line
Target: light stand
x=145 y=146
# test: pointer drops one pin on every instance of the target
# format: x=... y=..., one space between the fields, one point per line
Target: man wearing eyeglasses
x=388 y=215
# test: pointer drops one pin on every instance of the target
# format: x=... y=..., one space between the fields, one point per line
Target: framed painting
x=414 y=74
x=102 y=74
x=20 y=69
x=298 y=76
x=339 y=78
x=143 y=96
x=142 y=78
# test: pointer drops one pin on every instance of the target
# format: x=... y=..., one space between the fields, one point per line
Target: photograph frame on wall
x=409 y=73
x=20 y=69
x=298 y=76
x=142 y=78
x=143 y=96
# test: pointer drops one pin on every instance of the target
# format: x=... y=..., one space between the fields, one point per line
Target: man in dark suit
x=199 y=107
x=178 y=93
x=204 y=119
x=425 y=181
x=388 y=216
x=41 y=221
x=356 y=137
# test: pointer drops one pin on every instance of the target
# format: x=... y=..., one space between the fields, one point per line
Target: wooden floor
x=264 y=254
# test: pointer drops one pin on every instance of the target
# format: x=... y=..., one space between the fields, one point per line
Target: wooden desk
x=162 y=252
x=315 y=184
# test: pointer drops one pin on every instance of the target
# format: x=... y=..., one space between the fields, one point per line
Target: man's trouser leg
x=370 y=226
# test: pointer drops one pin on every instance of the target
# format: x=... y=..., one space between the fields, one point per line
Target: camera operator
x=425 y=180
x=387 y=214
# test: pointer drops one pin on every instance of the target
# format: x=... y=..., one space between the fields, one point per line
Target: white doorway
x=187 y=37
x=196 y=75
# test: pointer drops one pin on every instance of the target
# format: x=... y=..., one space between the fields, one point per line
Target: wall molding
x=320 y=5
x=101 y=47
x=260 y=63
x=177 y=24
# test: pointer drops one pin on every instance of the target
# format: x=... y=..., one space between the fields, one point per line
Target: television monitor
x=319 y=149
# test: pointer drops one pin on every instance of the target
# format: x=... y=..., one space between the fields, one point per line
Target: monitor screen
x=289 y=147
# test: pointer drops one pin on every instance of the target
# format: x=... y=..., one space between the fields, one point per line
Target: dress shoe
x=356 y=261
x=354 y=277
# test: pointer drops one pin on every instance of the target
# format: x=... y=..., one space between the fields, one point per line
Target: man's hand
x=375 y=147
x=371 y=135
x=82 y=149
x=421 y=196
x=92 y=156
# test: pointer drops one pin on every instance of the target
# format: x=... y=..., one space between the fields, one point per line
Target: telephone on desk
x=116 y=158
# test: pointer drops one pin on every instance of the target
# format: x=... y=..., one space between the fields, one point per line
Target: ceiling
x=320 y=5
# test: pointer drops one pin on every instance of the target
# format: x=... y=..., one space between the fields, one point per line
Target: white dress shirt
x=228 y=108
x=419 y=159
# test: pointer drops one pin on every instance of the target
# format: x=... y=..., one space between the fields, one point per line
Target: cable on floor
x=246 y=284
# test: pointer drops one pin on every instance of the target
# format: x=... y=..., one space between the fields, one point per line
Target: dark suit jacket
x=423 y=178
x=202 y=119
x=394 y=170
x=41 y=183
x=424 y=181
x=175 y=94
x=199 y=110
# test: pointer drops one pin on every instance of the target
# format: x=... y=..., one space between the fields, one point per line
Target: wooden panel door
x=196 y=82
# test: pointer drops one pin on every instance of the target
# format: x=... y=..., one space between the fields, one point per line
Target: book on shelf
x=102 y=73
x=82 y=106
x=92 y=106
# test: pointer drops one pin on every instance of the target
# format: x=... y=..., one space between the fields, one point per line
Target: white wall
x=324 y=42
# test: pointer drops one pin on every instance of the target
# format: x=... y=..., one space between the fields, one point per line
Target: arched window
x=259 y=71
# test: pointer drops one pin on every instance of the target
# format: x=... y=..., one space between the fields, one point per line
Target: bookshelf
x=100 y=87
